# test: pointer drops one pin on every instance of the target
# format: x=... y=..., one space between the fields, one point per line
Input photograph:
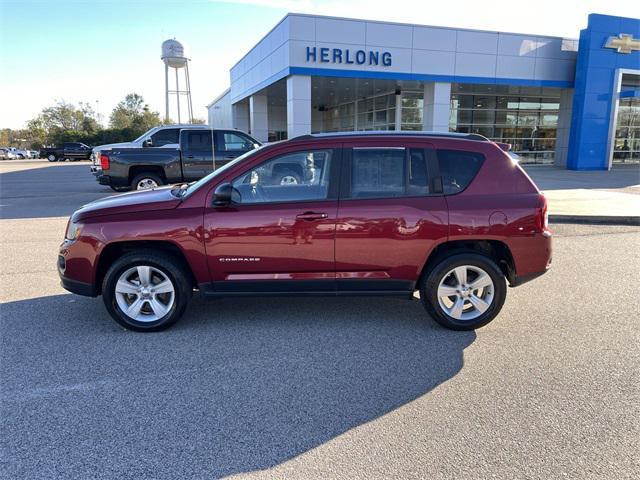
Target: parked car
x=191 y=159
x=73 y=151
x=33 y=153
x=164 y=136
x=449 y=215
x=18 y=153
x=7 y=154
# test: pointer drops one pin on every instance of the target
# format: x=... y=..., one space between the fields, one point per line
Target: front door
x=391 y=213
x=278 y=233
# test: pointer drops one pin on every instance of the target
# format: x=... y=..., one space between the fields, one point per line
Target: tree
x=133 y=113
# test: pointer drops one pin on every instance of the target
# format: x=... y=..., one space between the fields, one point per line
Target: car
x=448 y=215
x=191 y=159
x=74 y=151
x=7 y=153
x=18 y=153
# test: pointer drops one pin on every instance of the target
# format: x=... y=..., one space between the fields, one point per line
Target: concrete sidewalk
x=590 y=197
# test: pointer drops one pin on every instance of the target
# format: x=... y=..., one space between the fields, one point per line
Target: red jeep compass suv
x=450 y=215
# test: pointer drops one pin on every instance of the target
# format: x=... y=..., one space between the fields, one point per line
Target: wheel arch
x=496 y=250
x=112 y=251
x=136 y=170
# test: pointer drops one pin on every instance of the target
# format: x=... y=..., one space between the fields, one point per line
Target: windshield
x=145 y=134
x=204 y=180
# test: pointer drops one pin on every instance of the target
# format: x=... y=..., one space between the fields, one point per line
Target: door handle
x=311 y=216
x=189 y=156
x=229 y=157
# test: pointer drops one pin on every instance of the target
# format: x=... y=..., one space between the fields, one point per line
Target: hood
x=109 y=146
x=138 y=201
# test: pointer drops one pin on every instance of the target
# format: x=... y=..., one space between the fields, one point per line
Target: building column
x=437 y=101
x=298 y=105
x=564 y=127
x=259 y=117
x=240 y=116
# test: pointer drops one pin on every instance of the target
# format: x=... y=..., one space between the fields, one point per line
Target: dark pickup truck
x=141 y=168
x=70 y=150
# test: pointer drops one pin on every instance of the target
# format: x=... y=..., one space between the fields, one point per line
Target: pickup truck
x=70 y=150
x=125 y=169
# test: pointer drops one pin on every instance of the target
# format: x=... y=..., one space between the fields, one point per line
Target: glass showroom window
x=525 y=117
x=412 y=108
x=626 y=147
x=377 y=113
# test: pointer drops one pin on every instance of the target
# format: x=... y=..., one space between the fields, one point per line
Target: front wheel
x=146 y=291
x=464 y=291
x=52 y=157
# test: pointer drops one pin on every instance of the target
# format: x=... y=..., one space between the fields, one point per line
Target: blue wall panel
x=594 y=96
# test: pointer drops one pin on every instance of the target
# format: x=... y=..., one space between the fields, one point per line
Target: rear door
x=230 y=144
x=391 y=213
x=197 y=153
x=73 y=150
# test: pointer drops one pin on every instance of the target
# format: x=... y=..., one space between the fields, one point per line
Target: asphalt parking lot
x=313 y=388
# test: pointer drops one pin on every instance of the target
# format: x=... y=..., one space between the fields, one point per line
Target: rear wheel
x=146 y=292
x=145 y=181
x=52 y=157
x=464 y=291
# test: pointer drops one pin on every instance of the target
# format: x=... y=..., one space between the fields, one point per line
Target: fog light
x=62 y=264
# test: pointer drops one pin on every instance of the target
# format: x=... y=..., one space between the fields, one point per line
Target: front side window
x=232 y=142
x=165 y=136
x=457 y=169
x=292 y=177
x=388 y=172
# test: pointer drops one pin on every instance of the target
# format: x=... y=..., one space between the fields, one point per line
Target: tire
x=148 y=179
x=124 y=276
x=52 y=157
x=444 y=275
x=287 y=177
x=119 y=189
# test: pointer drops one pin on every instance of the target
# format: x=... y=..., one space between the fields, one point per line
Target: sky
x=97 y=51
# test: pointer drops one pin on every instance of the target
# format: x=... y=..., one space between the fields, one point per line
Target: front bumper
x=79 y=288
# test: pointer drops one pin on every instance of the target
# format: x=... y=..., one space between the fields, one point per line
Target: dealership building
x=574 y=103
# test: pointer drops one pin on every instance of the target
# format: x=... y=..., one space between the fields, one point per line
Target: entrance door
x=391 y=212
x=278 y=233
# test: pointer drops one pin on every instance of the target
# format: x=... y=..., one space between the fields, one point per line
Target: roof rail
x=390 y=133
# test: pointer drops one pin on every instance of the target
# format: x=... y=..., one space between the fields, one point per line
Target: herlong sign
x=348 y=56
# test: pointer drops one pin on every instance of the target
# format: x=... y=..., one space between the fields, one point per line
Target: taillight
x=543 y=215
x=104 y=162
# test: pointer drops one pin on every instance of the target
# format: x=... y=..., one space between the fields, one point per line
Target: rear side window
x=388 y=172
x=457 y=169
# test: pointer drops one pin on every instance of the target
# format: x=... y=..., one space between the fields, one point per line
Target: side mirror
x=222 y=195
x=147 y=143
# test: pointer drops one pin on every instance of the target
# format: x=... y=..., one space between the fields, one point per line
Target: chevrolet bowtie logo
x=623 y=43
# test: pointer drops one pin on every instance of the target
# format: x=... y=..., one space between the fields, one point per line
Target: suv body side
x=380 y=245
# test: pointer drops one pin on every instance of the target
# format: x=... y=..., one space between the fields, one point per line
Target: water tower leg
x=178 y=95
x=166 y=92
x=189 y=105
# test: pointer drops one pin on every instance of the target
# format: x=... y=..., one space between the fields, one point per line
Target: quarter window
x=292 y=177
x=382 y=172
x=457 y=169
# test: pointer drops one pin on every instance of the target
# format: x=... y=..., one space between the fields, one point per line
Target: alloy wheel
x=465 y=292
x=144 y=293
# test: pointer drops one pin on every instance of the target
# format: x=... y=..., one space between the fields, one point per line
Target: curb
x=596 y=219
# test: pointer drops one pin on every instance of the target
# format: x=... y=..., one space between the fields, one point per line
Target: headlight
x=73 y=230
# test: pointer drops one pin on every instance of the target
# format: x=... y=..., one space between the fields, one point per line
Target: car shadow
x=49 y=191
x=237 y=385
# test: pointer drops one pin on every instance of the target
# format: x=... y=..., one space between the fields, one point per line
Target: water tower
x=173 y=56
